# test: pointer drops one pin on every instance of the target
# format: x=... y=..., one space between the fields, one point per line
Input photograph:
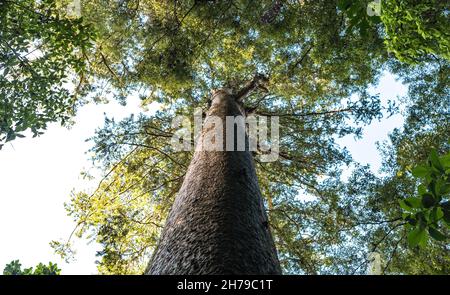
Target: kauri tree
x=318 y=63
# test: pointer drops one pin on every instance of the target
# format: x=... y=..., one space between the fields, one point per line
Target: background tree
x=318 y=81
x=426 y=128
x=320 y=66
x=416 y=28
x=412 y=29
x=41 y=49
x=15 y=268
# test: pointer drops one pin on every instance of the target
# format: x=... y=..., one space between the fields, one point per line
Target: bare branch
x=258 y=82
x=305 y=114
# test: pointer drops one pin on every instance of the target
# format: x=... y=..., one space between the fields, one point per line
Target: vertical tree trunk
x=217 y=224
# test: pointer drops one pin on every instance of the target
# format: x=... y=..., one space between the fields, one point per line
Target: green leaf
x=404 y=206
x=437 y=235
x=416 y=236
x=422 y=189
x=445 y=161
x=413 y=202
x=432 y=187
x=446 y=216
x=444 y=189
x=424 y=240
x=435 y=215
x=420 y=171
x=434 y=159
x=439 y=213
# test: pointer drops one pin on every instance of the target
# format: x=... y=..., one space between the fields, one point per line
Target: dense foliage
x=15 y=268
x=175 y=53
x=321 y=58
x=416 y=28
x=40 y=48
x=431 y=209
x=412 y=29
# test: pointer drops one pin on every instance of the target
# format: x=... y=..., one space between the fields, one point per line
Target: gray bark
x=217 y=224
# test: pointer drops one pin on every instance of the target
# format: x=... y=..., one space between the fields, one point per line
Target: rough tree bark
x=217 y=224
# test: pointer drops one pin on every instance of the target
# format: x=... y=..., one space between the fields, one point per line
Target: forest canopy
x=320 y=58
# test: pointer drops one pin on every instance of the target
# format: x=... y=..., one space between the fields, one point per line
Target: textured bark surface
x=217 y=224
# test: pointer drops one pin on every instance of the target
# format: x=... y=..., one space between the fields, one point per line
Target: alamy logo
x=375 y=264
x=74 y=8
x=374 y=8
x=241 y=133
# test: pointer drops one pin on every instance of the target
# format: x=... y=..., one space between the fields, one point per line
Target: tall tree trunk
x=217 y=224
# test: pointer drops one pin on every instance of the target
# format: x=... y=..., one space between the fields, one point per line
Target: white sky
x=38 y=174
x=364 y=150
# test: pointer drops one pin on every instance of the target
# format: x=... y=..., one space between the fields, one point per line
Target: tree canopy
x=320 y=57
x=15 y=268
x=40 y=48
